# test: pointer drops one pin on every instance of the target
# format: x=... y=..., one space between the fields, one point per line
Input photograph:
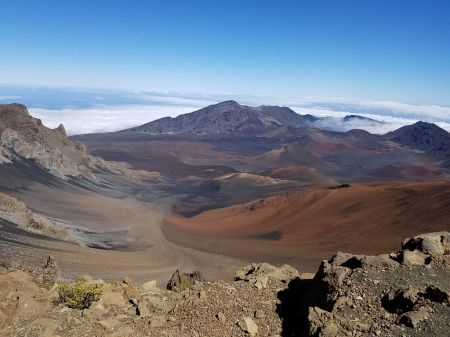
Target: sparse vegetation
x=78 y=297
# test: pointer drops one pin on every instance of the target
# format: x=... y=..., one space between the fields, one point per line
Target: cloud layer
x=101 y=110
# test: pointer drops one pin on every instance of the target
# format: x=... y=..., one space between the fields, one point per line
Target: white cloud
x=104 y=118
x=121 y=109
x=4 y=98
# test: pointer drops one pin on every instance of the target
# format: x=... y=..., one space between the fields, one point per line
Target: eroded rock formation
x=23 y=136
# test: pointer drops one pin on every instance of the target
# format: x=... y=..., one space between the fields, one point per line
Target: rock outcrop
x=381 y=295
x=184 y=280
x=351 y=295
x=23 y=136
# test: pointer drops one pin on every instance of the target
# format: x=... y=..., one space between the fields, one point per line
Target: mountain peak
x=225 y=118
x=423 y=136
x=229 y=103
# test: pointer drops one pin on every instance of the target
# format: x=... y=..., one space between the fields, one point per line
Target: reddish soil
x=369 y=218
x=411 y=173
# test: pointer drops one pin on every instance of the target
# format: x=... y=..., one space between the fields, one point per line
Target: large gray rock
x=431 y=243
x=363 y=261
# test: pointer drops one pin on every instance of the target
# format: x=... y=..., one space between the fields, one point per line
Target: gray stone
x=109 y=324
x=413 y=258
x=123 y=331
x=413 y=318
x=202 y=296
x=248 y=326
x=221 y=317
x=128 y=281
x=431 y=243
x=259 y=314
x=85 y=279
x=381 y=262
x=157 y=321
x=112 y=298
x=149 y=286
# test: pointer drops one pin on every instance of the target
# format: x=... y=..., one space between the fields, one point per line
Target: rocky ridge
x=23 y=136
x=230 y=117
x=15 y=211
x=405 y=293
x=427 y=137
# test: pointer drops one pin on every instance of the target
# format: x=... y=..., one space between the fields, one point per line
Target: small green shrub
x=78 y=297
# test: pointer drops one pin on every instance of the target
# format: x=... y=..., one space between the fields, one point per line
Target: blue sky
x=376 y=50
x=124 y=63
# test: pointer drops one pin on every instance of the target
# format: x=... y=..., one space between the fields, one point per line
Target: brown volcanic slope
x=411 y=173
x=341 y=149
x=301 y=173
x=364 y=219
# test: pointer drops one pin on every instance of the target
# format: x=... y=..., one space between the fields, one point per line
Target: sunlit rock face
x=23 y=136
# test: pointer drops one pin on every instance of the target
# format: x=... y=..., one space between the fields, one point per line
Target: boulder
x=434 y=294
x=379 y=262
x=324 y=324
x=327 y=283
x=412 y=258
x=413 y=318
x=400 y=299
x=363 y=261
x=183 y=281
x=431 y=243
